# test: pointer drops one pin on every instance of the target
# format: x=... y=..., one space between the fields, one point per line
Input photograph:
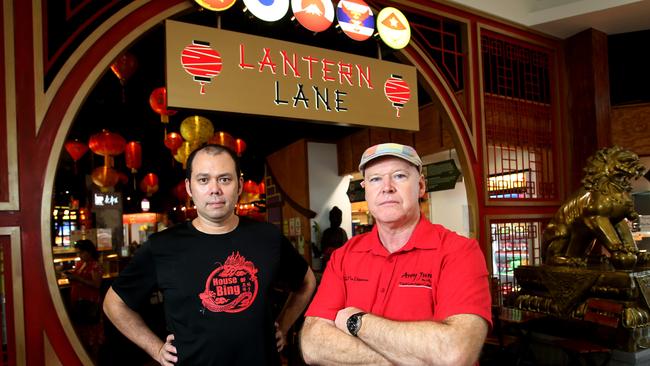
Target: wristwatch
x=354 y=323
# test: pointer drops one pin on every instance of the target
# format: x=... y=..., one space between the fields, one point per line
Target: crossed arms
x=455 y=341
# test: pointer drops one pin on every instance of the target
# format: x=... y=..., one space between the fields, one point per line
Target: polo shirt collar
x=425 y=236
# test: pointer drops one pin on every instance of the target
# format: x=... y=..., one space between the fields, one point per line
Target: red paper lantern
x=240 y=146
x=250 y=187
x=223 y=139
x=76 y=149
x=158 y=102
x=202 y=62
x=173 y=141
x=180 y=192
x=133 y=156
x=124 y=67
x=397 y=91
x=105 y=177
x=261 y=187
x=149 y=184
x=107 y=144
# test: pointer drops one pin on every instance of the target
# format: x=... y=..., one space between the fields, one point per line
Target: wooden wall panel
x=360 y=142
x=344 y=155
x=379 y=135
x=631 y=128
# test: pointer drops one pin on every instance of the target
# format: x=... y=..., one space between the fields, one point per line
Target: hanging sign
x=315 y=15
x=215 y=69
x=355 y=19
x=268 y=10
x=216 y=5
x=393 y=28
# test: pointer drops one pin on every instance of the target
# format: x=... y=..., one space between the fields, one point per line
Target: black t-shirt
x=216 y=289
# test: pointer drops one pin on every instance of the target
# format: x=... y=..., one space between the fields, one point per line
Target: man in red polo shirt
x=409 y=292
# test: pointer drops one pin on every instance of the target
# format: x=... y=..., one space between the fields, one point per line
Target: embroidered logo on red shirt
x=231 y=287
x=415 y=279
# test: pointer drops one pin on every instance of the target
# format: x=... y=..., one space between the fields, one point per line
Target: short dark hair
x=212 y=149
x=88 y=247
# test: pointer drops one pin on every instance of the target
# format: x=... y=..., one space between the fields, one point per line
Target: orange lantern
x=124 y=67
x=223 y=139
x=158 y=102
x=149 y=184
x=173 y=141
x=240 y=146
x=133 y=156
x=105 y=177
x=197 y=129
x=107 y=144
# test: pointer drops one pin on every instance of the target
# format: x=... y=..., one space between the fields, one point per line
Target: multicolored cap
x=390 y=149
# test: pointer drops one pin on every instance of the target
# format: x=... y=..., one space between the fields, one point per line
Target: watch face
x=354 y=323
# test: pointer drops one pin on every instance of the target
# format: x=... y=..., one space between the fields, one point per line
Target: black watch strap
x=354 y=323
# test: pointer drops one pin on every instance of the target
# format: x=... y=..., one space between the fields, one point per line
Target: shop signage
x=106 y=200
x=214 y=69
x=440 y=176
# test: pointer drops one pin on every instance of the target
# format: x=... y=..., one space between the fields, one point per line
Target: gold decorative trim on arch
x=10 y=118
x=17 y=292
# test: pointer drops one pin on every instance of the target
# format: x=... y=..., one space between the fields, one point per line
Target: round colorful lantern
x=223 y=139
x=133 y=156
x=107 y=144
x=149 y=184
x=315 y=15
x=105 y=177
x=173 y=141
x=124 y=67
x=202 y=62
x=397 y=91
x=268 y=10
x=158 y=102
x=355 y=19
x=197 y=129
x=393 y=28
x=240 y=146
x=216 y=5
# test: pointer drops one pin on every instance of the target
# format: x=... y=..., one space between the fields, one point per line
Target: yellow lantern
x=184 y=151
x=105 y=177
x=197 y=129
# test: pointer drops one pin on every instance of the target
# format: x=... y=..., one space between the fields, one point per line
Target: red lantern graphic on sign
x=397 y=91
x=202 y=62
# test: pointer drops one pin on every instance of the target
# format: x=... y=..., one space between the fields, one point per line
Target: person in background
x=216 y=274
x=409 y=292
x=334 y=236
x=85 y=283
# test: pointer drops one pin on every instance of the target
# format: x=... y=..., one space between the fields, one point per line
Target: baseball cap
x=404 y=152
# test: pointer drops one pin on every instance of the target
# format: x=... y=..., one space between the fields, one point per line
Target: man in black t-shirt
x=216 y=274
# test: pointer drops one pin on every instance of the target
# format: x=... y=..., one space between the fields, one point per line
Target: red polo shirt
x=437 y=274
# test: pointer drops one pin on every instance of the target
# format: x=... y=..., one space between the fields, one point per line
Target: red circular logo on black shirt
x=231 y=287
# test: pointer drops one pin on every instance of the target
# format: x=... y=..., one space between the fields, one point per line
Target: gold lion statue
x=597 y=212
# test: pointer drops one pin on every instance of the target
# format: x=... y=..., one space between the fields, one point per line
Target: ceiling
x=564 y=18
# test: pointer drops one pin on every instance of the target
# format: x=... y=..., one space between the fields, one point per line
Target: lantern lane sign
x=214 y=69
